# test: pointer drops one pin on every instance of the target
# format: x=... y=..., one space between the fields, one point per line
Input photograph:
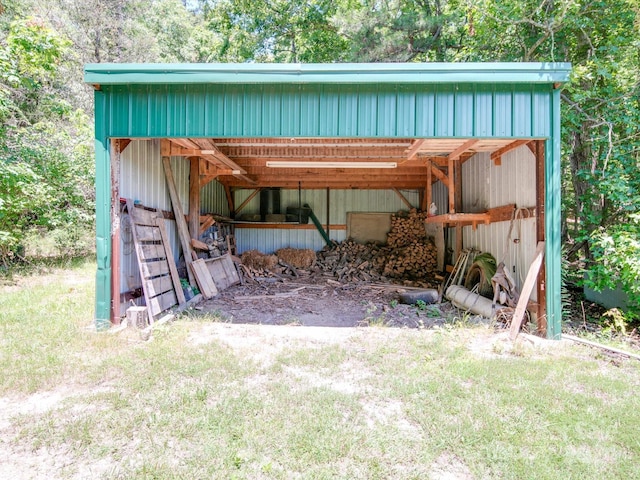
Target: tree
x=275 y=31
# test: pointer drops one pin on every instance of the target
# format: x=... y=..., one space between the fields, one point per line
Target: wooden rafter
x=415 y=146
x=457 y=153
x=439 y=174
x=497 y=155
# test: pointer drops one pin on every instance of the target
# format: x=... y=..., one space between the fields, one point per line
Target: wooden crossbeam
x=462 y=149
x=497 y=155
x=415 y=146
x=439 y=174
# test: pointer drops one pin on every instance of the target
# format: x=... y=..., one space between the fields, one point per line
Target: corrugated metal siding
x=213 y=199
x=341 y=202
x=385 y=110
x=484 y=186
x=142 y=179
x=270 y=240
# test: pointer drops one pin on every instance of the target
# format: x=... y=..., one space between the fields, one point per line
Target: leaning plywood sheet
x=160 y=281
x=204 y=279
x=368 y=227
x=223 y=271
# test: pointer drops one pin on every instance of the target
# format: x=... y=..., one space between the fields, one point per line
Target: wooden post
x=429 y=187
x=455 y=178
x=541 y=290
x=115 y=232
x=452 y=188
x=229 y=194
x=181 y=223
x=457 y=182
x=194 y=197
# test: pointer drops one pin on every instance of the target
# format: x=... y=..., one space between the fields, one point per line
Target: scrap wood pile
x=408 y=256
x=286 y=261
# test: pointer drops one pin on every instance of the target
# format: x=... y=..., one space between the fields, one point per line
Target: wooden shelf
x=284 y=225
x=461 y=219
x=498 y=214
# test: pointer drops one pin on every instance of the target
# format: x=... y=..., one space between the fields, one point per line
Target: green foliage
x=276 y=31
x=616 y=252
x=45 y=156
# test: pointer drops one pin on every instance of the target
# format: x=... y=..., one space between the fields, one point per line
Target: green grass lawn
x=205 y=399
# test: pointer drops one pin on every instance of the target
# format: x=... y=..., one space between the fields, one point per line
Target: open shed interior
x=255 y=194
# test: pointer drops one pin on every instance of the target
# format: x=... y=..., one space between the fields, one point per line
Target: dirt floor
x=310 y=300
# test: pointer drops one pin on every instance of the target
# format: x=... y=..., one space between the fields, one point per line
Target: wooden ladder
x=160 y=281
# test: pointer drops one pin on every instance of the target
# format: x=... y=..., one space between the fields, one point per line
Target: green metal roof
x=344 y=73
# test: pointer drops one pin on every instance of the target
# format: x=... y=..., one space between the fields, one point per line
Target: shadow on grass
x=27 y=267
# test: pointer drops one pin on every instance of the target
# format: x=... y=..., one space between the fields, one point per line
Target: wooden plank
x=284 y=226
x=223 y=271
x=173 y=270
x=162 y=302
x=457 y=182
x=209 y=221
x=142 y=216
x=527 y=288
x=152 y=269
x=230 y=269
x=461 y=149
x=497 y=155
x=440 y=175
x=158 y=285
x=183 y=229
x=204 y=279
x=147 y=233
x=601 y=346
x=428 y=193
x=452 y=187
x=152 y=250
x=194 y=197
x=415 y=146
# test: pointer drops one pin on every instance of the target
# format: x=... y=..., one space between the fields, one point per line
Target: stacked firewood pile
x=410 y=255
x=349 y=261
x=406 y=228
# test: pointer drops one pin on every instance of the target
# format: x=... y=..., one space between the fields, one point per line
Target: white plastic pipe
x=463 y=298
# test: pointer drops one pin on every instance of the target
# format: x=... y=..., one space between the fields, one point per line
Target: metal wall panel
x=142 y=179
x=486 y=185
x=270 y=240
x=340 y=202
x=386 y=110
x=213 y=199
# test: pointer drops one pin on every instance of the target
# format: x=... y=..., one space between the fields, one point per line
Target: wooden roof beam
x=457 y=153
x=497 y=155
x=415 y=146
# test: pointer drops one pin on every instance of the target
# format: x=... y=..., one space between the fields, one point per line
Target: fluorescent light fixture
x=285 y=164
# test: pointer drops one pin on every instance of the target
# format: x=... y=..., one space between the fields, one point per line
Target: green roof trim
x=339 y=73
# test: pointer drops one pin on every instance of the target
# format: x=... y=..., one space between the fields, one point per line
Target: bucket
x=294 y=214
